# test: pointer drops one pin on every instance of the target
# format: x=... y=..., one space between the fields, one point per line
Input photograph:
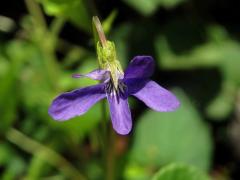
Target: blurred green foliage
x=148 y=7
x=73 y=10
x=199 y=58
x=168 y=140
x=180 y=172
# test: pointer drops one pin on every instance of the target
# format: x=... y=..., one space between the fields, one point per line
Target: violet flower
x=135 y=81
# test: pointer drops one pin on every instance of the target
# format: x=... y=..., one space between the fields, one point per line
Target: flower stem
x=108 y=149
x=57 y=25
x=36 y=12
x=111 y=156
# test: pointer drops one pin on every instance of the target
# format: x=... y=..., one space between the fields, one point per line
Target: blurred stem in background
x=46 y=39
x=111 y=156
x=49 y=155
x=36 y=13
x=108 y=136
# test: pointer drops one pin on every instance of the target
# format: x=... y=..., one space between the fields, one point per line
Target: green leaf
x=178 y=49
x=230 y=63
x=145 y=7
x=108 y=22
x=206 y=55
x=148 y=7
x=182 y=46
x=180 y=172
x=73 y=10
x=180 y=136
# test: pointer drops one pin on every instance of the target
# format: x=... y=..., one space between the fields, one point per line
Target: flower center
x=113 y=91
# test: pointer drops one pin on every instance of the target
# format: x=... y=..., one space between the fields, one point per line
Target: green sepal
x=107 y=58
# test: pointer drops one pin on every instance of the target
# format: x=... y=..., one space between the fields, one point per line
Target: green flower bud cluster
x=107 y=58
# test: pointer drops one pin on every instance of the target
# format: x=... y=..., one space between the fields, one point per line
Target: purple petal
x=97 y=74
x=76 y=102
x=153 y=95
x=140 y=67
x=120 y=114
